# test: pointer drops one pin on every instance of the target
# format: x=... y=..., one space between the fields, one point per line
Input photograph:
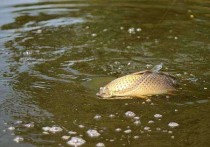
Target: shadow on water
x=56 y=54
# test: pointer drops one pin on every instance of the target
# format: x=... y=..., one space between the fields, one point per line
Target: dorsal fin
x=141 y=72
x=157 y=68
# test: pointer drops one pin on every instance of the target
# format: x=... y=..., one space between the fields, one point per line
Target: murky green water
x=54 y=56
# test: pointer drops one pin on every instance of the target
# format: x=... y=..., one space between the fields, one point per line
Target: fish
x=140 y=85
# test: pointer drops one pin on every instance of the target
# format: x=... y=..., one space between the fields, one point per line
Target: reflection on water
x=54 y=56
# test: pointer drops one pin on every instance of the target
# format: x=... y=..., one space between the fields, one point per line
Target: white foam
x=11 y=128
x=131 y=30
x=18 y=139
x=137 y=122
x=151 y=122
x=158 y=116
x=111 y=115
x=146 y=128
x=18 y=122
x=55 y=129
x=76 y=141
x=29 y=125
x=93 y=133
x=72 y=132
x=128 y=131
x=100 y=144
x=81 y=126
x=46 y=128
x=173 y=124
x=130 y=114
x=65 y=137
x=97 y=117
x=118 y=129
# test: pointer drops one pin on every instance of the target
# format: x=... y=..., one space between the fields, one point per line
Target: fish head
x=104 y=92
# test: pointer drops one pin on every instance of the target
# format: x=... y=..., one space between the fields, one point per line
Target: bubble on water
x=142 y=132
x=55 y=129
x=189 y=103
x=137 y=122
x=128 y=47
x=173 y=124
x=11 y=128
x=178 y=75
x=205 y=88
x=148 y=65
x=76 y=141
x=46 y=128
x=81 y=126
x=164 y=131
x=202 y=101
x=72 y=132
x=111 y=115
x=148 y=100
x=39 y=31
x=157 y=115
x=146 y=128
x=176 y=110
x=46 y=133
x=170 y=132
x=151 y=122
x=192 y=16
x=97 y=117
x=136 y=118
x=131 y=30
x=100 y=144
x=18 y=139
x=143 y=102
x=118 y=130
x=105 y=30
x=172 y=137
x=193 y=79
x=135 y=137
x=111 y=140
x=29 y=125
x=65 y=137
x=93 y=35
x=158 y=129
x=93 y=133
x=128 y=131
x=138 y=29
x=130 y=114
x=18 y=122
x=121 y=28
x=175 y=37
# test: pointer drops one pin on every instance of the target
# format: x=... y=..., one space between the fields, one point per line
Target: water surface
x=54 y=56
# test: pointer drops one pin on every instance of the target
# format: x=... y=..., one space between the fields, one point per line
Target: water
x=54 y=56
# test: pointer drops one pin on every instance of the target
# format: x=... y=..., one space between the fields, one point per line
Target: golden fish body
x=139 y=84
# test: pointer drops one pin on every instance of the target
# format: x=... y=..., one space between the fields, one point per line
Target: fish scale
x=139 y=84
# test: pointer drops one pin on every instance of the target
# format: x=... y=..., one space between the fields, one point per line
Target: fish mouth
x=103 y=95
